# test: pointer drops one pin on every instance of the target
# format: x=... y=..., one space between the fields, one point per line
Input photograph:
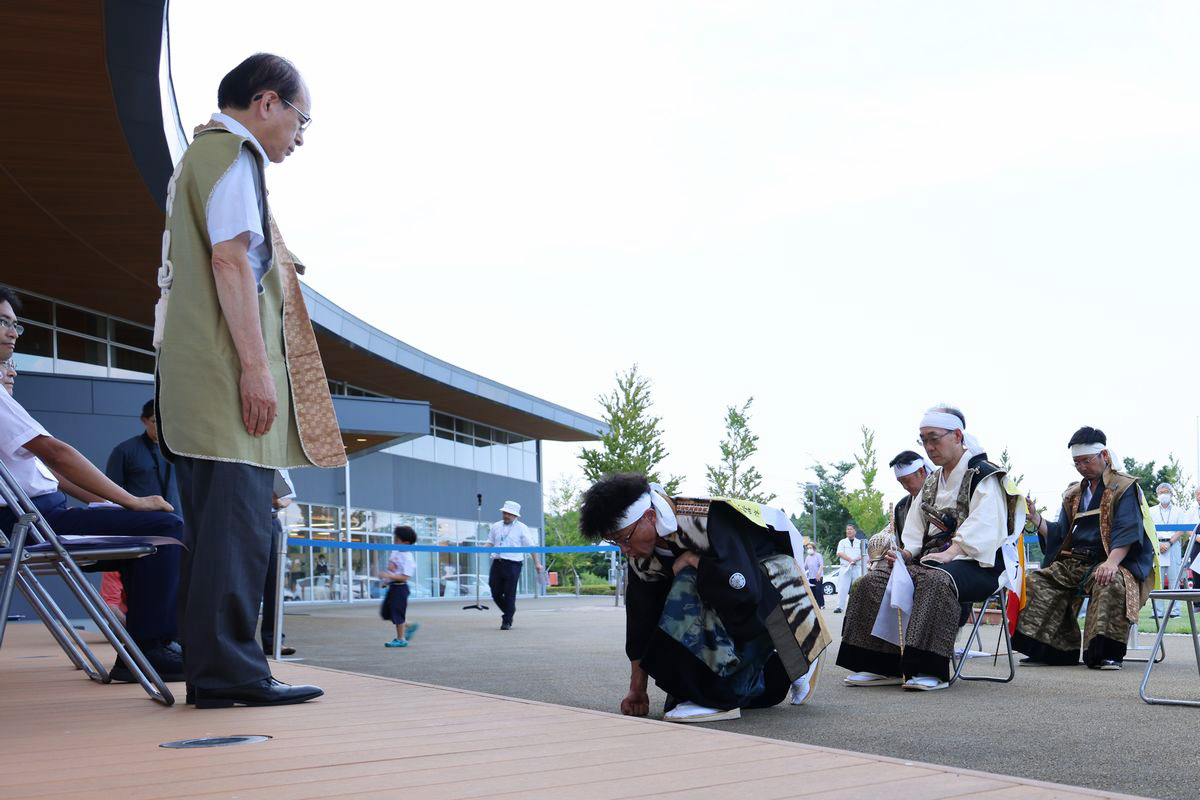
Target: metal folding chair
x=999 y=597
x=42 y=546
x=1187 y=597
x=1159 y=623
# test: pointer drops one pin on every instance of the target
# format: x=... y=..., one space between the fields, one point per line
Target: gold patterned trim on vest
x=316 y=421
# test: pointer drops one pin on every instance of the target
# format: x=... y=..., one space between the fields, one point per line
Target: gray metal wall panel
x=374 y=415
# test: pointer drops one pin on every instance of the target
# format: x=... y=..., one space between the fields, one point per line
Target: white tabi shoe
x=925 y=683
x=802 y=687
x=871 y=679
x=690 y=712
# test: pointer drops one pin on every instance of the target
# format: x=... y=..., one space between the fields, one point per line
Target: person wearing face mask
x=1170 y=543
x=951 y=546
x=1101 y=547
x=814 y=569
x=717 y=609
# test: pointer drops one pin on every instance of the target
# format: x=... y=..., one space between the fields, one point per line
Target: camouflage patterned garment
x=698 y=628
x=1048 y=628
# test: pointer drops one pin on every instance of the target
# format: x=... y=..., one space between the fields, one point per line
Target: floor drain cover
x=213 y=741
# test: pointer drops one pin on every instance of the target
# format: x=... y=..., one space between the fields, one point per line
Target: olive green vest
x=199 y=403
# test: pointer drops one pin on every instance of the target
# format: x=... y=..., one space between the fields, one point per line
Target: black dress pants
x=151 y=583
x=227 y=530
x=503 y=582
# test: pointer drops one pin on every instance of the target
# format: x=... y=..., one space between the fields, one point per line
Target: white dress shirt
x=984 y=529
x=1172 y=515
x=17 y=429
x=514 y=535
x=233 y=207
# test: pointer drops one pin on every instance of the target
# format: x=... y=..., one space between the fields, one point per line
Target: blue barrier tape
x=433 y=548
x=1174 y=526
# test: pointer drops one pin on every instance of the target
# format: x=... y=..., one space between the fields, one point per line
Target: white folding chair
x=1187 y=597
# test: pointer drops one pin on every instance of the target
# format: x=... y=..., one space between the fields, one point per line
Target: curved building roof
x=90 y=138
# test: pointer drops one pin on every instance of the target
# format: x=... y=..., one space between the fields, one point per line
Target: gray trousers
x=227 y=533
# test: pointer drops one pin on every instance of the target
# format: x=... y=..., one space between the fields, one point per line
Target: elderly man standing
x=506 y=567
x=1099 y=548
x=1168 y=512
x=240 y=387
x=850 y=554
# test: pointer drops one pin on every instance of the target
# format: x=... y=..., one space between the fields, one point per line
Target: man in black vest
x=137 y=466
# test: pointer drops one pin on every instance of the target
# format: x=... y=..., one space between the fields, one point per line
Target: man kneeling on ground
x=717 y=610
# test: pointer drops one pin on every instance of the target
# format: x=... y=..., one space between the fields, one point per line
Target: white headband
x=908 y=469
x=665 y=522
x=1087 y=449
x=949 y=422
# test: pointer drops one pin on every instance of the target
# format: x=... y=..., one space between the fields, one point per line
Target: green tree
x=562 y=530
x=865 y=505
x=734 y=476
x=1149 y=478
x=832 y=516
x=634 y=439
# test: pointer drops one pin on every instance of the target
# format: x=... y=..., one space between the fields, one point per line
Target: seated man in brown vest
x=1098 y=549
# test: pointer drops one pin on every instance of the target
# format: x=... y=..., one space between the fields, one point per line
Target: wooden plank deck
x=62 y=736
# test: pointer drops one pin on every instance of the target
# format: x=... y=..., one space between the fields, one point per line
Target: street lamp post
x=812 y=487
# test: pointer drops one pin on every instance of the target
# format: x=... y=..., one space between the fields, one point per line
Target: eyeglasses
x=624 y=540
x=305 y=119
x=1081 y=460
x=9 y=325
x=925 y=441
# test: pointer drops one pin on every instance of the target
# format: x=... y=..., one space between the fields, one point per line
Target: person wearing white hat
x=1100 y=548
x=506 y=567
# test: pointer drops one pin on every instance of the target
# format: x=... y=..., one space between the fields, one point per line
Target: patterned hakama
x=938 y=595
x=1048 y=628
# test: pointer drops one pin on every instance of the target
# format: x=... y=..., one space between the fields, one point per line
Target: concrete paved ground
x=1069 y=725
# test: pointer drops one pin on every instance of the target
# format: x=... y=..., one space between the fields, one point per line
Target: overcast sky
x=849 y=211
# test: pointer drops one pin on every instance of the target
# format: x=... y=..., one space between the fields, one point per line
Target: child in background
x=402 y=566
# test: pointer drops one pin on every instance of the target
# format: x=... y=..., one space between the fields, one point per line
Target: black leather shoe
x=267 y=692
x=505 y=626
x=166 y=660
x=283 y=651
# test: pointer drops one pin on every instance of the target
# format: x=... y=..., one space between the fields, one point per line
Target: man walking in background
x=506 y=567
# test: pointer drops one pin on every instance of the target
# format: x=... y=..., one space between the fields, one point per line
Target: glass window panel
x=132 y=335
x=36 y=341
x=447 y=532
x=516 y=462
x=132 y=360
x=82 y=321
x=483 y=459
x=297 y=569
x=464 y=455
x=499 y=459
x=463 y=426
x=530 y=467
x=85 y=351
x=402 y=449
x=443 y=421
x=35 y=308
x=323 y=519
x=443 y=450
x=501 y=437
x=483 y=432
x=422 y=447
